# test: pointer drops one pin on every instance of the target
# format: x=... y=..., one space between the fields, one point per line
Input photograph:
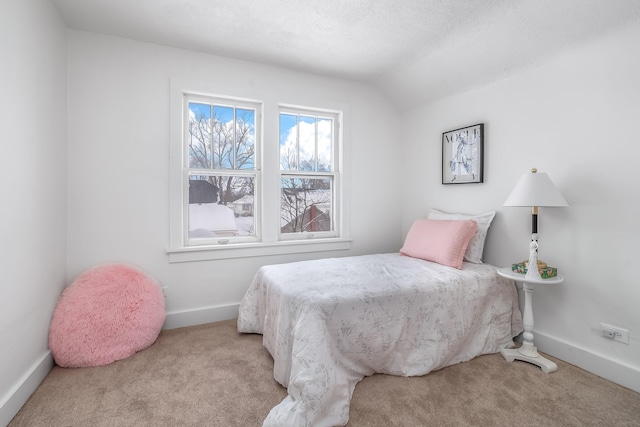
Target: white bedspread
x=329 y=323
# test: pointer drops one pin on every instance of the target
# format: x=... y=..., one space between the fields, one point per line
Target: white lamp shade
x=535 y=189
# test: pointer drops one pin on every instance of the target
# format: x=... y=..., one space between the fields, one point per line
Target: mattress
x=328 y=323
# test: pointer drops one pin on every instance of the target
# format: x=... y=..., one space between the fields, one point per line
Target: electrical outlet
x=615 y=333
x=164 y=290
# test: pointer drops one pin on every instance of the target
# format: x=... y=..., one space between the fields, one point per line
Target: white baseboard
x=200 y=316
x=602 y=366
x=24 y=388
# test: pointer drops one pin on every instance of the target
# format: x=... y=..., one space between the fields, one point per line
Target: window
x=253 y=178
x=221 y=143
x=308 y=174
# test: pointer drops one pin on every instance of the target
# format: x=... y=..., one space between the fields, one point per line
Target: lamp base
x=533 y=273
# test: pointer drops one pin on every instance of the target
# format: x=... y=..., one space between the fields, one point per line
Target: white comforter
x=329 y=323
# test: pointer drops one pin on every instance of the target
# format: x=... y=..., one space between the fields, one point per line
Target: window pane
x=199 y=135
x=223 y=137
x=221 y=206
x=325 y=142
x=288 y=142
x=306 y=204
x=307 y=145
x=245 y=139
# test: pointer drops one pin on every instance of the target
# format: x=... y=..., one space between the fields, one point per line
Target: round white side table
x=528 y=352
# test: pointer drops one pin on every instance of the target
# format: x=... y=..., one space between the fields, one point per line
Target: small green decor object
x=545 y=272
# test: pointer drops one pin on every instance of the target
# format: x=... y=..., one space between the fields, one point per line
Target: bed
x=328 y=323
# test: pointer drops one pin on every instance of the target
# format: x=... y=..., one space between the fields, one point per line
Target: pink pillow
x=108 y=313
x=441 y=241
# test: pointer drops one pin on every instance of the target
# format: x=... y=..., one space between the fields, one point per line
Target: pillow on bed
x=476 y=246
x=441 y=241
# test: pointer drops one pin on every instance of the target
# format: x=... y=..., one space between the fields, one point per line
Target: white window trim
x=246 y=250
x=178 y=251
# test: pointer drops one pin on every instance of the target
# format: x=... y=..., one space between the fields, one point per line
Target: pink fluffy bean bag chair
x=108 y=313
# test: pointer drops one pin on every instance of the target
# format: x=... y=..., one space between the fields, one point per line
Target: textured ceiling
x=413 y=51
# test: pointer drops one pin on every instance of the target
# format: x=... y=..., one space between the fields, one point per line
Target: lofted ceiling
x=413 y=51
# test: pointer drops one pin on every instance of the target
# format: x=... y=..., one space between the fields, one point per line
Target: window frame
x=335 y=172
x=188 y=171
x=270 y=245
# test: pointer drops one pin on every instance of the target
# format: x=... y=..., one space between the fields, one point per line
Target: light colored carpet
x=209 y=375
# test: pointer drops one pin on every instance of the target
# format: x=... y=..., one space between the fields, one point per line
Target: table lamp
x=535 y=190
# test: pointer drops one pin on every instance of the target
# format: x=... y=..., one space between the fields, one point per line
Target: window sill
x=244 y=250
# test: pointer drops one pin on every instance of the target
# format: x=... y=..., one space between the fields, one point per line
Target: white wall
x=573 y=117
x=576 y=118
x=119 y=164
x=33 y=188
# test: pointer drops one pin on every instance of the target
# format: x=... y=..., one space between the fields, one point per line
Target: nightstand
x=528 y=352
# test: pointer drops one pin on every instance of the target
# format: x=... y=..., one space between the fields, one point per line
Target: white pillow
x=476 y=246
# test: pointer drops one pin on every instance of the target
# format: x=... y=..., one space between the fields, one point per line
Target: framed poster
x=462 y=155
